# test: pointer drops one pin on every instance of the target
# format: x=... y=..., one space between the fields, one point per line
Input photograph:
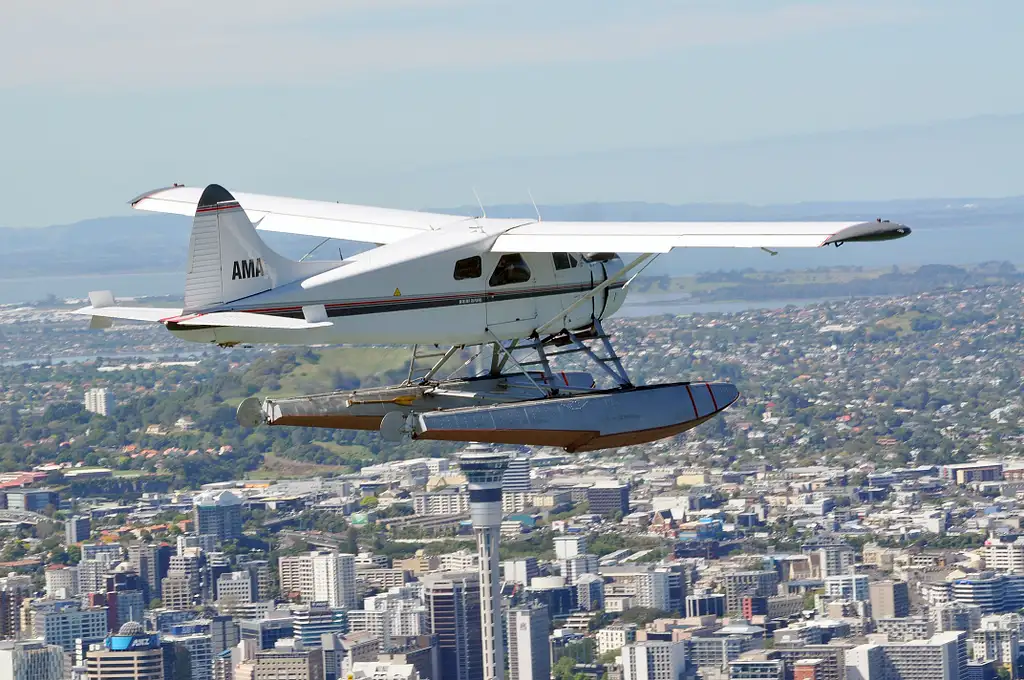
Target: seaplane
x=515 y=295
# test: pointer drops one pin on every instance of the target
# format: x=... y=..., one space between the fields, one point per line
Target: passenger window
x=562 y=261
x=469 y=268
x=511 y=269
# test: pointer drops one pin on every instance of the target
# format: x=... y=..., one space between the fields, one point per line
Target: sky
x=414 y=103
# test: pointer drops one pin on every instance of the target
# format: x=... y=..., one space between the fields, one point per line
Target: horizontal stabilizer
x=247 y=320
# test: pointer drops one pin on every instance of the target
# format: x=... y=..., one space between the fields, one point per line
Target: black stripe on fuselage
x=397 y=304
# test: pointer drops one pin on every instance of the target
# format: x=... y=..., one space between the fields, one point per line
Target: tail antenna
x=536 y=209
x=479 y=202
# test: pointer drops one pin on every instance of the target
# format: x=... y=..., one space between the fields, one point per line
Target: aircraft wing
x=661 y=237
x=324 y=219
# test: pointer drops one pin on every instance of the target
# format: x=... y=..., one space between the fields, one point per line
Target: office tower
x=808 y=669
x=757 y=666
x=847 y=587
x=574 y=567
x=521 y=570
x=176 y=592
x=99 y=400
x=607 y=499
x=320 y=576
x=311 y=622
x=950 y=616
x=570 y=545
x=205 y=542
x=832 y=658
x=889 y=599
x=835 y=560
x=92 y=574
x=396 y=614
x=517 y=475
x=453 y=605
x=152 y=561
x=705 y=604
x=61 y=582
x=10 y=611
x=235 y=588
x=648 y=585
x=943 y=657
x=218 y=513
x=484 y=470
x=61 y=623
x=654 y=661
x=740 y=584
x=112 y=552
x=290 y=665
x=589 y=592
x=32 y=500
x=77 y=529
x=266 y=632
x=905 y=629
x=199 y=651
x=552 y=592
x=998 y=640
x=131 y=654
x=529 y=654
x=260 y=572
x=31 y=660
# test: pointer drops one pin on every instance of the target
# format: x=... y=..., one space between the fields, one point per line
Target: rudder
x=227 y=258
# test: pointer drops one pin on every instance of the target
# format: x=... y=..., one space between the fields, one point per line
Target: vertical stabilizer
x=227 y=260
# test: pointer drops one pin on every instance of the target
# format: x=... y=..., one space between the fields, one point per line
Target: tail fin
x=227 y=260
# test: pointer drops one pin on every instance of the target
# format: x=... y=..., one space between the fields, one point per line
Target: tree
x=563 y=670
x=368 y=502
x=1003 y=672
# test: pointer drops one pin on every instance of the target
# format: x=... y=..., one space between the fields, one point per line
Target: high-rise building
x=648 y=585
x=199 y=651
x=92 y=573
x=77 y=529
x=763 y=666
x=311 y=622
x=574 y=567
x=152 y=561
x=484 y=469
x=266 y=632
x=453 y=606
x=570 y=545
x=889 y=599
x=521 y=570
x=589 y=592
x=607 y=499
x=31 y=660
x=950 y=616
x=61 y=582
x=943 y=657
x=218 y=513
x=998 y=639
x=290 y=665
x=517 y=475
x=831 y=658
x=99 y=400
x=320 y=576
x=131 y=654
x=847 y=587
x=529 y=654
x=740 y=584
x=654 y=660
x=705 y=604
x=235 y=588
x=62 y=623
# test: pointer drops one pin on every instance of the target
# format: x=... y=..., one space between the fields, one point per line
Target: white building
x=61 y=582
x=848 y=587
x=1007 y=558
x=200 y=652
x=320 y=577
x=570 y=545
x=615 y=636
x=99 y=400
x=62 y=625
x=654 y=661
x=942 y=657
x=445 y=502
x=529 y=654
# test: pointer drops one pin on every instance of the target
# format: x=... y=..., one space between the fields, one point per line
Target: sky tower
x=484 y=469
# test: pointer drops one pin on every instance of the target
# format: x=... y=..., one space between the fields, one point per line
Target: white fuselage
x=443 y=287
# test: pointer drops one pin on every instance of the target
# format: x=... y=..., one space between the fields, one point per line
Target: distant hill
x=948 y=231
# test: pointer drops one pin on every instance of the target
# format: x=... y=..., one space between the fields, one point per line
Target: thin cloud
x=146 y=46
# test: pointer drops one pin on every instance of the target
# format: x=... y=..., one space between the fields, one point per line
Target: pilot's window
x=562 y=261
x=511 y=269
x=469 y=268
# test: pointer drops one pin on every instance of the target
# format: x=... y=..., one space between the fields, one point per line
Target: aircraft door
x=511 y=302
x=575 y=278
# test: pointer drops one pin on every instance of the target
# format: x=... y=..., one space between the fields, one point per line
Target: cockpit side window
x=469 y=268
x=511 y=268
x=564 y=261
